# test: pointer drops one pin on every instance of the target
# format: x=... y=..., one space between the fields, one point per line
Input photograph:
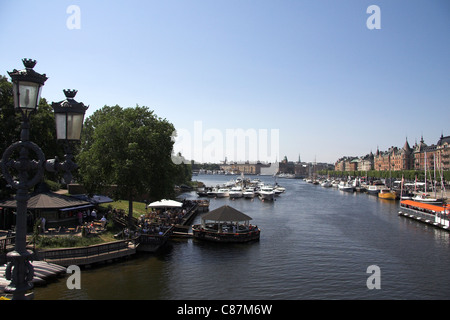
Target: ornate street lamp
x=22 y=173
x=69 y=116
x=27 y=85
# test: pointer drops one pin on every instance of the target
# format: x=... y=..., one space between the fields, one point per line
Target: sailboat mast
x=434 y=166
x=425 y=166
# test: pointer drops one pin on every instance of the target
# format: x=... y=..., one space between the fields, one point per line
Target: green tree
x=130 y=148
x=42 y=127
x=9 y=120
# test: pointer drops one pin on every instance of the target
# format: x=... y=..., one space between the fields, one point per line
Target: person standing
x=94 y=215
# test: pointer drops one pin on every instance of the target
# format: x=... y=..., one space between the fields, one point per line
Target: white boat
x=249 y=193
x=222 y=193
x=266 y=193
x=346 y=188
x=277 y=191
x=326 y=184
x=424 y=198
x=236 y=192
x=373 y=189
x=212 y=192
x=335 y=184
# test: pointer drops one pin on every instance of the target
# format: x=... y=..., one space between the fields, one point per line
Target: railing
x=5 y=242
x=85 y=252
x=123 y=221
x=421 y=214
x=152 y=238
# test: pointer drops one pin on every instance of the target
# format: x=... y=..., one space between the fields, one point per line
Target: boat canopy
x=421 y=205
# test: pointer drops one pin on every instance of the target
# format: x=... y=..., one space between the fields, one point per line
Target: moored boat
x=425 y=198
x=236 y=192
x=373 y=189
x=249 y=193
x=266 y=193
x=346 y=188
x=226 y=224
x=212 y=192
x=387 y=194
x=202 y=192
x=435 y=215
x=223 y=192
x=326 y=184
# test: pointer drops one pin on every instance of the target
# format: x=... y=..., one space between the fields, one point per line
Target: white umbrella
x=165 y=204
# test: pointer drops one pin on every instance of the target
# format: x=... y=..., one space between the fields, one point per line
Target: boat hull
x=235 y=194
x=226 y=237
x=222 y=193
x=425 y=199
x=387 y=195
x=266 y=196
x=346 y=188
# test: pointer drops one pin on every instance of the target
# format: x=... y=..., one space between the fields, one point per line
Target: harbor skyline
x=314 y=71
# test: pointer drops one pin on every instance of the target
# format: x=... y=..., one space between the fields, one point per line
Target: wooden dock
x=425 y=218
x=181 y=230
x=435 y=216
x=89 y=255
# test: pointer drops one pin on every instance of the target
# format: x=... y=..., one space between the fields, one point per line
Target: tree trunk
x=130 y=211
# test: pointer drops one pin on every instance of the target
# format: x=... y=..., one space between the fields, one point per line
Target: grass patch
x=138 y=207
x=73 y=241
x=66 y=241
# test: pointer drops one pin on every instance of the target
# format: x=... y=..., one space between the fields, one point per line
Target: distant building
x=246 y=167
x=366 y=163
x=434 y=156
x=346 y=164
x=394 y=159
x=405 y=158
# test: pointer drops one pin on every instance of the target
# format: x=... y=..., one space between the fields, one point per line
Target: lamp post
x=22 y=174
x=69 y=116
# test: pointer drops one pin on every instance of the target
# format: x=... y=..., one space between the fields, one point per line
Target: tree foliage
x=131 y=149
x=42 y=123
x=42 y=128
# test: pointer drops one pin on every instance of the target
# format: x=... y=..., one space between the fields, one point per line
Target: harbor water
x=316 y=243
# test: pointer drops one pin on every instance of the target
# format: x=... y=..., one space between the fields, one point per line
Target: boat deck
x=425 y=213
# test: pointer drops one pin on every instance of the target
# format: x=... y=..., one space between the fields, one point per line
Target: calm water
x=316 y=243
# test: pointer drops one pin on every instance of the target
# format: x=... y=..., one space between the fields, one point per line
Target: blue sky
x=310 y=69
